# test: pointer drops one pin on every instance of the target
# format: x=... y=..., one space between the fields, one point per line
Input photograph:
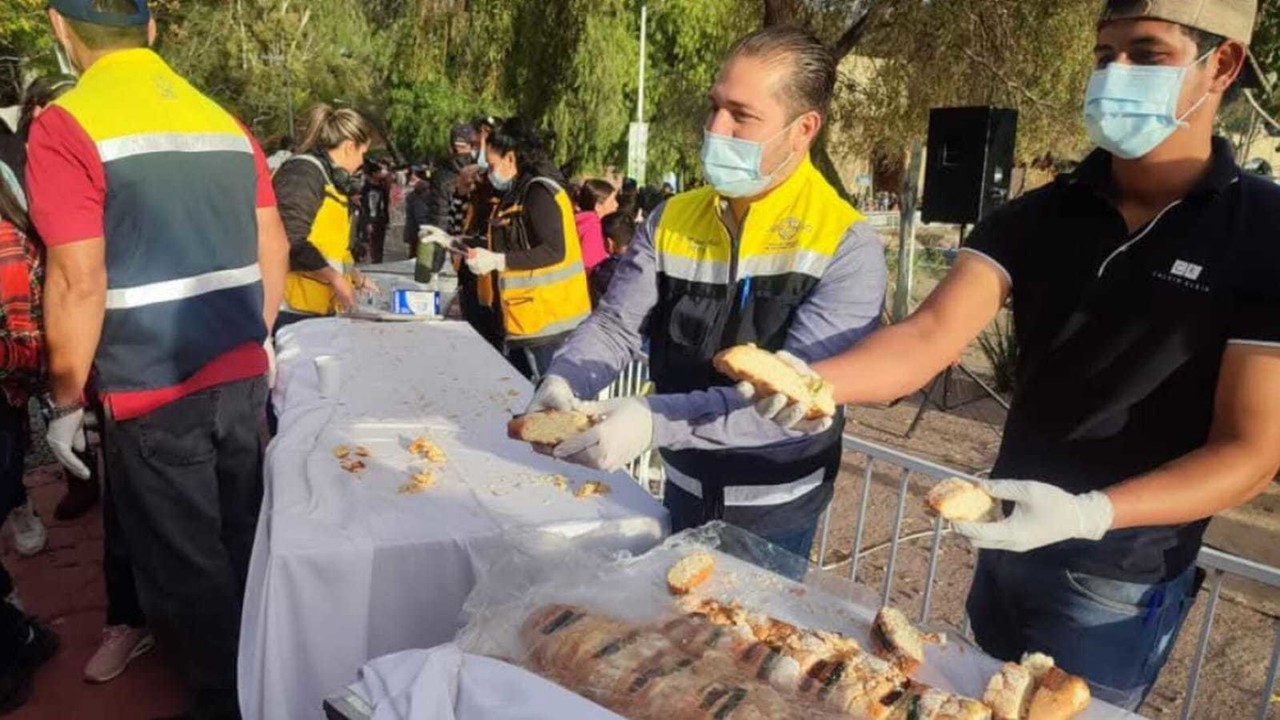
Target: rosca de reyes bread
x=960 y=500
x=772 y=376
x=550 y=427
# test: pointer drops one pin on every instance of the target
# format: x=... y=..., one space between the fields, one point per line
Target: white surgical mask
x=732 y=165
x=1129 y=110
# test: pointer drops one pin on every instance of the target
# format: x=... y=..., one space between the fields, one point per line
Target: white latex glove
x=624 y=433
x=270 y=346
x=1043 y=515
x=779 y=408
x=65 y=436
x=553 y=393
x=483 y=262
x=434 y=235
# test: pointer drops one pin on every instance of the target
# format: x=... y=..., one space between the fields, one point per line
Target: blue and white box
x=416 y=302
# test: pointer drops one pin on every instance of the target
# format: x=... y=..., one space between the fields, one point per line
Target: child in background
x=618 y=229
x=595 y=199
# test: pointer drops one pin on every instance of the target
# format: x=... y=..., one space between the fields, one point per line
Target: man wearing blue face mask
x=768 y=253
x=1146 y=294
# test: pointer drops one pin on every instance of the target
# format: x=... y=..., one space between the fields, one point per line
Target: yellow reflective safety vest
x=540 y=305
x=331 y=234
x=715 y=292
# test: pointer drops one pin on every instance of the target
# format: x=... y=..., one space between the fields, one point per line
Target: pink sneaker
x=120 y=645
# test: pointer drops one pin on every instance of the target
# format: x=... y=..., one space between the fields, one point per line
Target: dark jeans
x=533 y=362
x=13 y=445
x=377 y=240
x=187 y=487
x=790 y=526
x=123 y=605
x=484 y=320
x=1115 y=634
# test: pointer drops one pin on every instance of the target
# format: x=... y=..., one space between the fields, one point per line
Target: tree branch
x=852 y=36
x=1005 y=79
x=777 y=12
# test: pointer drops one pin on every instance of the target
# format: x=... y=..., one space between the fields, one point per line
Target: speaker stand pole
x=907 y=233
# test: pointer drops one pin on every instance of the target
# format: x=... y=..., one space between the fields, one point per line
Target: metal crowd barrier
x=1216 y=564
x=634 y=381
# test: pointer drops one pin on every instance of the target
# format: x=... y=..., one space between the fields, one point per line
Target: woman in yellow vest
x=533 y=250
x=312 y=188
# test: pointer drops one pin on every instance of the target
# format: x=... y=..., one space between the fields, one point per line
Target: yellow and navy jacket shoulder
x=1122 y=336
x=318 y=221
x=181 y=190
x=714 y=293
x=543 y=292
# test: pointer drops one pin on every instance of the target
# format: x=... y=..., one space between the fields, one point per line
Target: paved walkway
x=63 y=586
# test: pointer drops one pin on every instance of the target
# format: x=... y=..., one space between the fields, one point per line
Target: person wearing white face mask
x=532 y=250
x=767 y=252
x=1145 y=290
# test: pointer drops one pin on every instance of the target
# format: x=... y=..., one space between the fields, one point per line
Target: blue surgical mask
x=482 y=160
x=1129 y=110
x=732 y=165
x=497 y=181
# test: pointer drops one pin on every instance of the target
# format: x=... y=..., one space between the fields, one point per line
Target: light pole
x=644 y=35
x=638 y=137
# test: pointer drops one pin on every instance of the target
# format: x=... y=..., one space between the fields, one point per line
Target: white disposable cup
x=329 y=370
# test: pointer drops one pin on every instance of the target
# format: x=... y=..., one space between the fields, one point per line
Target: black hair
x=110 y=37
x=42 y=91
x=520 y=137
x=813 y=68
x=628 y=203
x=11 y=210
x=619 y=227
x=1205 y=41
x=593 y=192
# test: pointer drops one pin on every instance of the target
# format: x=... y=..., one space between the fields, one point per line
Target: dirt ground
x=967 y=439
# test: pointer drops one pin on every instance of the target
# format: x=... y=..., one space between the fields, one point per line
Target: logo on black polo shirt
x=1184 y=274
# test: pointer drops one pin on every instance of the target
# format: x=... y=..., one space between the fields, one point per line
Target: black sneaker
x=15 y=681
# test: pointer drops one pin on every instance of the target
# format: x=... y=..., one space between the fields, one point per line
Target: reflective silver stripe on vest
x=555 y=328
x=802 y=262
x=711 y=272
x=147 y=143
x=521 y=283
x=751 y=495
x=182 y=288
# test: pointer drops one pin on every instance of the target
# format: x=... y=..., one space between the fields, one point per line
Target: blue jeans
x=1115 y=634
x=791 y=526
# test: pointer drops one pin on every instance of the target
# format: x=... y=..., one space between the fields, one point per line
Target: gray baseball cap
x=1231 y=19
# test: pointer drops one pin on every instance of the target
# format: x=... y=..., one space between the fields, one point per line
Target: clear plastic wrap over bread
x=746 y=642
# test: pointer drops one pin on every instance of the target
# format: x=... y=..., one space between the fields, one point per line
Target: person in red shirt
x=166 y=265
x=25 y=643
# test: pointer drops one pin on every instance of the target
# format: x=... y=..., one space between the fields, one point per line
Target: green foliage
x=687 y=40
x=1266 y=48
x=999 y=344
x=573 y=66
x=421 y=114
x=26 y=46
x=1033 y=55
x=250 y=54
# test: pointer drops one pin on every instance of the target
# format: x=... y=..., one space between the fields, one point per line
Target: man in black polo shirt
x=1146 y=295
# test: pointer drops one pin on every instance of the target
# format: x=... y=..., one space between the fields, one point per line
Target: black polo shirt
x=1122 y=337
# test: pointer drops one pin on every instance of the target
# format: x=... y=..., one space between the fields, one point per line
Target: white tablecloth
x=446 y=684
x=344 y=567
